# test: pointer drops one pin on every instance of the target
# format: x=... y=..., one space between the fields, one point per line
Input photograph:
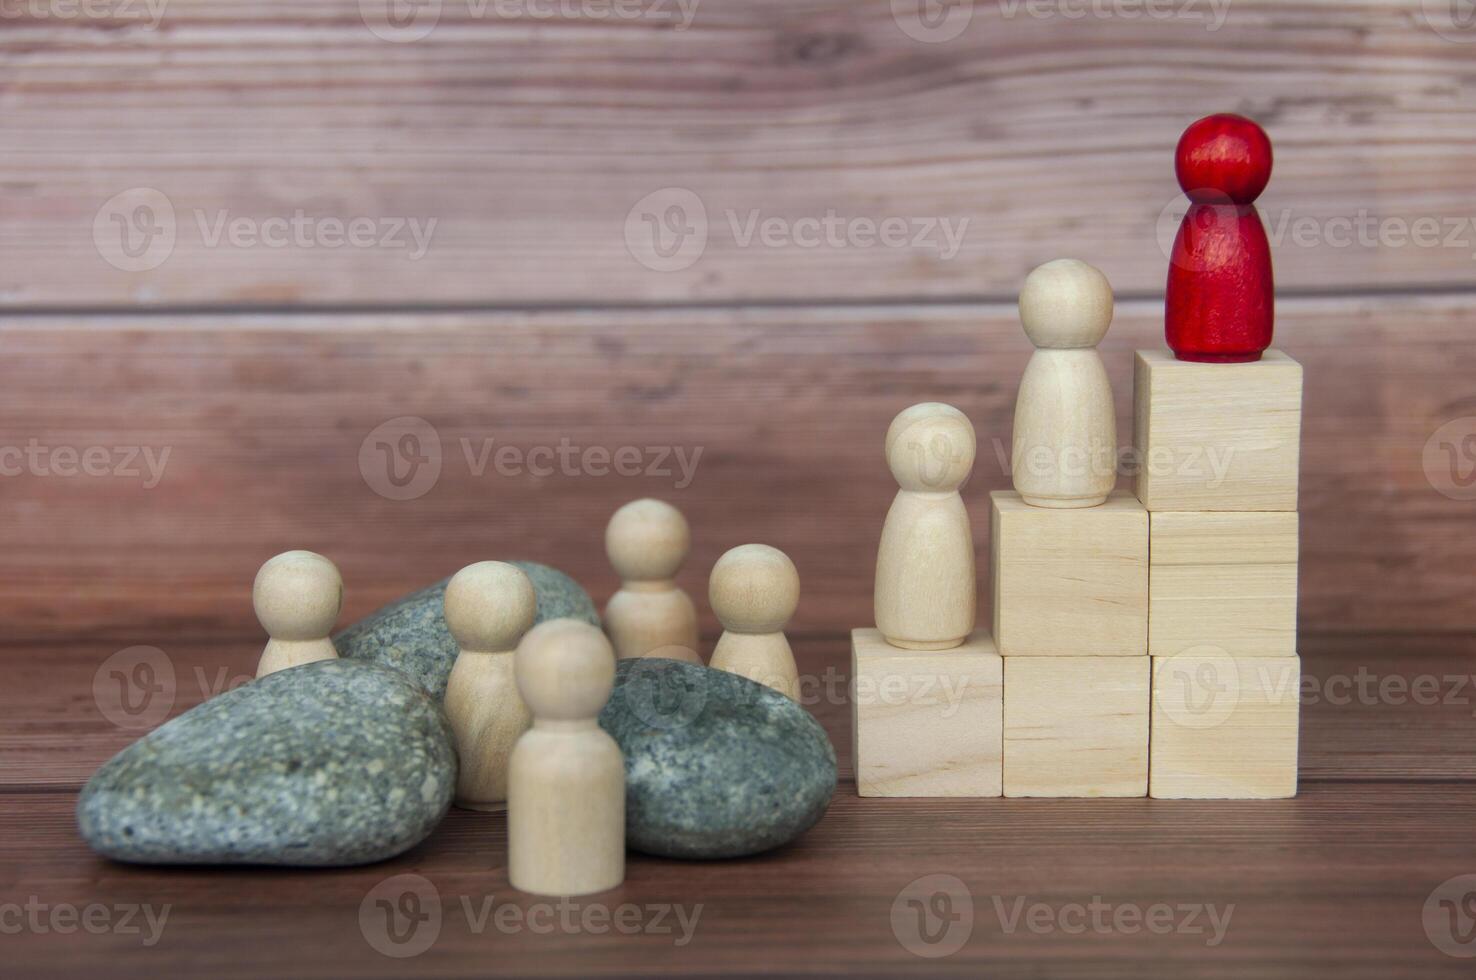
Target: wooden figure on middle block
x=754 y=590
x=1065 y=446
x=925 y=596
x=488 y=608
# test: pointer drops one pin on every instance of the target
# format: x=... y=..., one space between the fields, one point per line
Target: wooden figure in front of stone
x=488 y=608
x=754 y=590
x=647 y=541
x=566 y=778
x=1065 y=445
x=925 y=594
x=297 y=596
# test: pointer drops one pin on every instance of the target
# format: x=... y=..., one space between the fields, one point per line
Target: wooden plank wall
x=546 y=149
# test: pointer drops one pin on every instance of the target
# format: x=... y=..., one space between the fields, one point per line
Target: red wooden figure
x=1220 y=295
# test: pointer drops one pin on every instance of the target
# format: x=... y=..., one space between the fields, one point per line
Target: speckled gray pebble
x=330 y=763
x=715 y=765
x=411 y=635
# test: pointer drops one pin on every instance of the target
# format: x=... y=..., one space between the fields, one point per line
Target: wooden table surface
x=1334 y=882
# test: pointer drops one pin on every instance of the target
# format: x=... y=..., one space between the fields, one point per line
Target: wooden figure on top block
x=647 y=542
x=1218 y=307
x=566 y=777
x=925 y=595
x=297 y=596
x=1065 y=438
x=488 y=608
x=754 y=590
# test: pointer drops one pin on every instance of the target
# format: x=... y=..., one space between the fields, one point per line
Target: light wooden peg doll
x=925 y=595
x=297 y=596
x=488 y=607
x=754 y=590
x=647 y=541
x=566 y=778
x=1065 y=445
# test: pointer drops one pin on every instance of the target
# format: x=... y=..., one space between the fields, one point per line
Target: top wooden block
x=1217 y=436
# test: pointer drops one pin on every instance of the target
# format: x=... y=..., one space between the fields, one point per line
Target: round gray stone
x=716 y=765
x=330 y=763
x=410 y=634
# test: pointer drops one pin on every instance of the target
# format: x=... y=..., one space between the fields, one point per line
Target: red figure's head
x=1223 y=156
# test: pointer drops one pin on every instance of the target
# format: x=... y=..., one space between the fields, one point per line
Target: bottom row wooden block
x=968 y=723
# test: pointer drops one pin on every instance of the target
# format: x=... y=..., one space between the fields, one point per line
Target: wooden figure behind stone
x=297 y=596
x=488 y=608
x=754 y=590
x=1065 y=445
x=566 y=778
x=925 y=595
x=647 y=541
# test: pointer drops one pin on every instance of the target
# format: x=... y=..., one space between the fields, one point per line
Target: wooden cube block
x=926 y=722
x=1076 y=726
x=1069 y=583
x=1217 y=436
x=1223 y=580
x=1224 y=728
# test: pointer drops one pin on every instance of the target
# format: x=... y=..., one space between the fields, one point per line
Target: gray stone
x=411 y=635
x=331 y=763
x=715 y=765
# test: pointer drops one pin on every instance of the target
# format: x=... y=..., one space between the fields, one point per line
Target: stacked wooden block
x=1146 y=645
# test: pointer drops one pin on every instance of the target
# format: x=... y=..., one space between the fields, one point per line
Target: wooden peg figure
x=1219 y=305
x=650 y=616
x=566 y=778
x=754 y=590
x=297 y=596
x=1065 y=445
x=488 y=608
x=925 y=594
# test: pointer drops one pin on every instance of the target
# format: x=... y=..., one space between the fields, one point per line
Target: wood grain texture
x=530 y=140
x=264 y=419
x=1328 y=884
